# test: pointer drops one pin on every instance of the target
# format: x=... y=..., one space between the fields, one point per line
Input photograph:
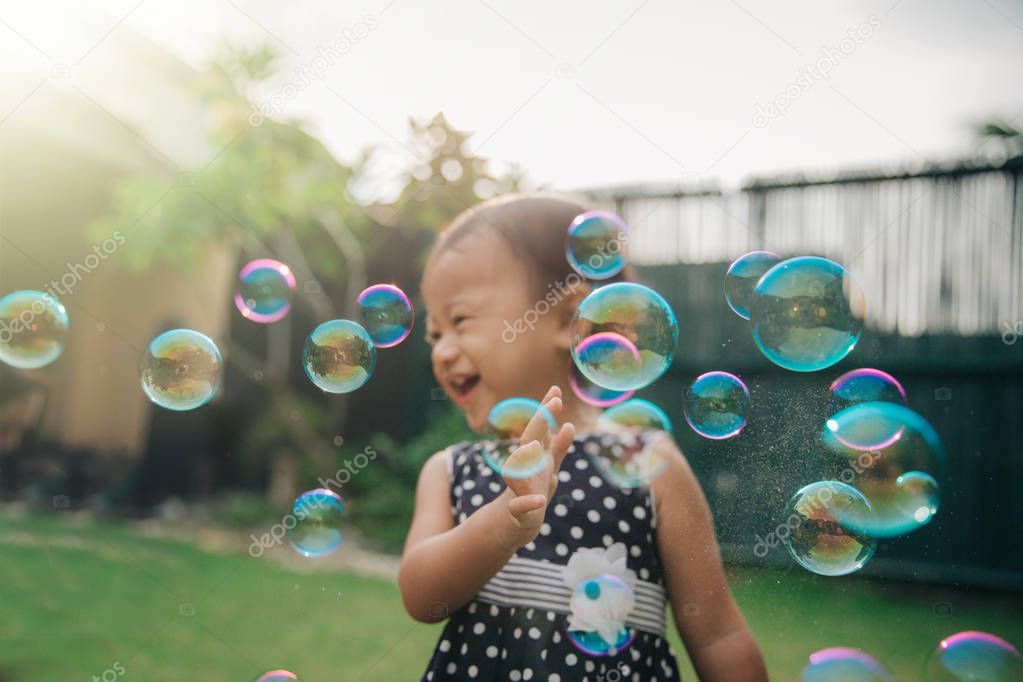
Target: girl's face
x=477 y=293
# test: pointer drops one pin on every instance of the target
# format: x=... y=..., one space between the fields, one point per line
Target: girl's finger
x=562 y=441
x=523 y=458
x=552 y=392
x=538 y=428
x=522 y=505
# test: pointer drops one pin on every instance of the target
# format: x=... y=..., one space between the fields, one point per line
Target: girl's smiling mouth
x=461 y=388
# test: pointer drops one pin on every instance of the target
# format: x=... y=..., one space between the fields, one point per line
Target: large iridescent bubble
x=181 y=369
x=339 y=356
x=33 y=329
x=600 y=606
x=743 y=275
x=595 y=245
x=814 y=534
x=891 y=455
x=386 y=314
x=716 y=405
x=864 y=385
x=974 y=656
x=638 y=315
x=506 y=425
x=315 y=522
x=594 y=394
x=844 y=664
x=266 y=288
x=807 y=313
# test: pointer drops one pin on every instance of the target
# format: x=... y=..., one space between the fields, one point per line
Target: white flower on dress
x=603 y=591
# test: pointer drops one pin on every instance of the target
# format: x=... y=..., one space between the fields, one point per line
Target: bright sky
x=648 y=90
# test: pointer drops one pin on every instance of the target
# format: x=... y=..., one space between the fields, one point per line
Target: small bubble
x=716 y=405
x=318 y=529
x=743 y=275
x=33 y=329
x=818 y=541
x=385 y=312
x=595 y=246
x=339 y=356
x=181 y=370
x=265 y=290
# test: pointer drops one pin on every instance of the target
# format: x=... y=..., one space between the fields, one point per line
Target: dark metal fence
x=939 y=250
x=940 y=256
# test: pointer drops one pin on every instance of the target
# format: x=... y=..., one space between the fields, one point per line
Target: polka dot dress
x=515 y=628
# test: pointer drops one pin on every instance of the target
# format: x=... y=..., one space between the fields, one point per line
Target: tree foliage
x=262 y=183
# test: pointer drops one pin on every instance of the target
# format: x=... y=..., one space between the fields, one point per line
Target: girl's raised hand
x=531 y=495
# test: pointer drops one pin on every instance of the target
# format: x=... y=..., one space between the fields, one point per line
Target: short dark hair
x=535 y=226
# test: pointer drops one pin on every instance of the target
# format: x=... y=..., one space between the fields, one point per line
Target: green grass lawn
x=76 y=600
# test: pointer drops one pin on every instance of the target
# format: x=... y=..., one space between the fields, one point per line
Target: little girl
x=503 y=558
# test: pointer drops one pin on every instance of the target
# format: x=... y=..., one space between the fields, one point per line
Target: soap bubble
x=33 y=329
x=843 y=664
x=277 y=676
x=608 y=359
x=807 y=313
x=891 y=455
x=637 y=314
x=266 y=289
x=743 y=275
x=386 y=314
x=339 y=356
x=635 y=460
x=600 y=606
x=637 y=413
x=863 y=386
x=506 y=425
x=593 y=394
x=638 y=457
x=918 y=496
x=181 y=369
x=813 y=534
x=315 y=522
x=974 y=656
x=596 y=244
x=716 y=404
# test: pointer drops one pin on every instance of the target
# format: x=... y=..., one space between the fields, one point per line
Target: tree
x=271 y=189
x=446 y=178
x=1010 y=136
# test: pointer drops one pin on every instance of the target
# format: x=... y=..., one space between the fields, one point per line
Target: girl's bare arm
x=713 y=629
x=444 y=565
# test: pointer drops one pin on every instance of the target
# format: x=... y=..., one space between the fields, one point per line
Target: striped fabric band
x=538 y=584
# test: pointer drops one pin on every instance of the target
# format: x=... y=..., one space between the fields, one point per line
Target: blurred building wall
x=62 y=152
